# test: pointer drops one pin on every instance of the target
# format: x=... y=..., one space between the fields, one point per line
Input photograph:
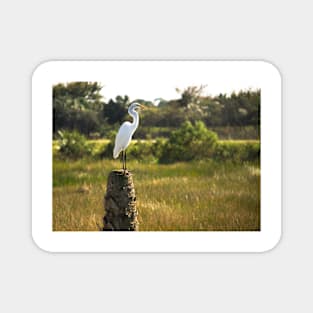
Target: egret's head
x=135 y=107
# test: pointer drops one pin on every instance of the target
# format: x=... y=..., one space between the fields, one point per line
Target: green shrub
x=107 y=151
x=189 y=142
x=73 y=145
x=237 y=151
x=158 y=147
x=141 y=150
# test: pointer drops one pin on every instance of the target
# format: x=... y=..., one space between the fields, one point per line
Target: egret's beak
x=142 y=107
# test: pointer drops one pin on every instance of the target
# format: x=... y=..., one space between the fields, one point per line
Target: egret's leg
x=124 y=164
x=125 y=161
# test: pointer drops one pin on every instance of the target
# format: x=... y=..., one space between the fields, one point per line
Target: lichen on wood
x=120 y=202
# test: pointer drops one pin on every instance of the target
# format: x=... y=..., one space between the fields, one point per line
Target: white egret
x=125 y=133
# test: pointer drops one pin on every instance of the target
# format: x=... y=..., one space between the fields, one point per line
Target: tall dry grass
x=183 y=196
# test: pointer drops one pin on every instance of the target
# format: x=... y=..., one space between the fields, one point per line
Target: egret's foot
x=121 y=172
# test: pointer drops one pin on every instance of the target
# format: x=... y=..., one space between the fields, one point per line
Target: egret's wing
x=122 y=139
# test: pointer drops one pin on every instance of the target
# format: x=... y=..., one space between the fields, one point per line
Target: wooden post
x=120 y=202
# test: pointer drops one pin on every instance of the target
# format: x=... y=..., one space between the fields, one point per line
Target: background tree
x=190 y=95
x=76 y=106
x=115 y=111
x=78 y=95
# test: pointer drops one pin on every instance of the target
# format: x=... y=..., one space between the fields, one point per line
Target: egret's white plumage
x=126 y=131
x=123 y=138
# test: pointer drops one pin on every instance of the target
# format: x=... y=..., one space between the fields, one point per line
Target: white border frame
x=51 y=72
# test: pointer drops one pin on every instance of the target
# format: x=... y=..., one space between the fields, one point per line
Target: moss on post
x=120 y=202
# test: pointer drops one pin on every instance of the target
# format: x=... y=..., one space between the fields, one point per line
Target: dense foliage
x=237 y=151
x=73 y=145
x=81 y=106
x=189 y=143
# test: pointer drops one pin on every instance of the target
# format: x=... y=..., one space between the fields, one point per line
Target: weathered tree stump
x=120 y=202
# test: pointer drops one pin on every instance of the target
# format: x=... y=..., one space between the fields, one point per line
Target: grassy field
x=183 y=196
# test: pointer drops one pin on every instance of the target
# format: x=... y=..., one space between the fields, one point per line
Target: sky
x=149 y=80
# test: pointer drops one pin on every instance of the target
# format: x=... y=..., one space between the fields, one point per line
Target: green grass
x=182 y=196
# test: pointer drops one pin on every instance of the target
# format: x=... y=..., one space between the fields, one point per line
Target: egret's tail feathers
x=116 y=152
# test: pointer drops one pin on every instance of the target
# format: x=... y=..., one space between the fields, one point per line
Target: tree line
x=80 y=106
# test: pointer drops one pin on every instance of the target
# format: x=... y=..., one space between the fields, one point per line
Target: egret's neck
x=135 y=117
